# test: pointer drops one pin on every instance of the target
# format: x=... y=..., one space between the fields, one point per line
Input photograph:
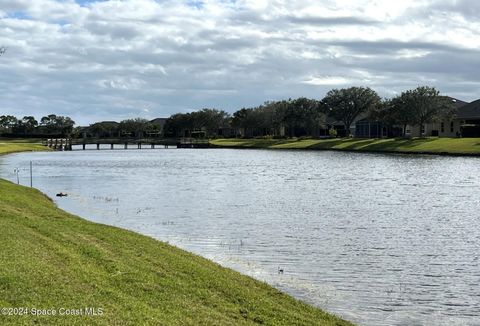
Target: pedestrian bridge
x=67 y=144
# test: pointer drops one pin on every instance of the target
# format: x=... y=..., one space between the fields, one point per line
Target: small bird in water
x=280 y=270
x=61 y=194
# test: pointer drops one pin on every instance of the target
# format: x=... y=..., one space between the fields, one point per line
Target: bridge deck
x=67 y=143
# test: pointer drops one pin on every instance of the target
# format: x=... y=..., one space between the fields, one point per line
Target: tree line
x=137 y=127
x=29 y=126
x=331 y=116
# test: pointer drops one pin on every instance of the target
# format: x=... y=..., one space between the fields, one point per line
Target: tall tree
x=64 y=124
x=426 y=105
x=210 y=120
x=8 y=122
x=29 y=123
x=240 y=119
x=205 y=121
x=347 y=104
x=57 y=124
x=310 y=115
x=48 y=122
x=104 y=129
x=135 y=127
x=177 y=124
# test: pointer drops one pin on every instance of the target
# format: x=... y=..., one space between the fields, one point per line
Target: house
x=366 y=128
x=465 y=123
x=447 y=128
x=338 y=126
x=468 y=118
x=156 y=127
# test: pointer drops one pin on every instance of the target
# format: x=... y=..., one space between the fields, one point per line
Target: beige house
x=448 y=128
x=465 y=123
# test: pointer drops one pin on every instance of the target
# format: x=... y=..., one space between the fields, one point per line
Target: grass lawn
x=468 y=146
x=50 y=259
x=12 y=146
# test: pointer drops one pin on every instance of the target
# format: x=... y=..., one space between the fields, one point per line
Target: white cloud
x=112 y=59
x=327 y=80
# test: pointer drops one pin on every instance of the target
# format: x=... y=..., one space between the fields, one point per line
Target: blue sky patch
x=19 y=15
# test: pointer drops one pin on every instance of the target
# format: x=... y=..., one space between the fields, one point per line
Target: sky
x=118 y=59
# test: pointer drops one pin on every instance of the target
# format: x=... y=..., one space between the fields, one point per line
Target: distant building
x=102 y=129
x=447 y=128
x=159 y=122
x=465 y=123
x=338 y=126
x=366 y=128
x=157 y=125
x=468 y=118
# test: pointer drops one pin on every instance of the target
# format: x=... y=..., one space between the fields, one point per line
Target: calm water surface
x=377 y=239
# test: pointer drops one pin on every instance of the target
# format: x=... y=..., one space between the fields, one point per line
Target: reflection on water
x=377 y=239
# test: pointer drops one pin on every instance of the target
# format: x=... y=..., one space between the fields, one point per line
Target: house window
x=442 y=127
x=451 y=126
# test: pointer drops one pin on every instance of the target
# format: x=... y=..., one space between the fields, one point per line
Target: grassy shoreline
x=16 y=147
x=436 y=146
x=51 y=259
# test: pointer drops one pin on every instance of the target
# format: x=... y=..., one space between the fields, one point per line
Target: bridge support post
x=98 y=146
x=83 y=146
x=111 y=146
x=153 y=146
x=126 y=145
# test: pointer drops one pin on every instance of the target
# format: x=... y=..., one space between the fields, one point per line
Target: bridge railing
x=67 y=143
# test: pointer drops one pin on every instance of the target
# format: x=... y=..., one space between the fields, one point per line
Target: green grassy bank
x=50 y=259
x=16 y=146
x=453 y=146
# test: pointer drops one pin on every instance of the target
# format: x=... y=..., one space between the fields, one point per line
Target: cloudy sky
x=110 y=60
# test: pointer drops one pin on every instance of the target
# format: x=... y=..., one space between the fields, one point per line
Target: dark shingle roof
x=458 y=103
x=469 y=111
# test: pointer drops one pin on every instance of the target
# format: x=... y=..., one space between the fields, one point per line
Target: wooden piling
x=68 y=144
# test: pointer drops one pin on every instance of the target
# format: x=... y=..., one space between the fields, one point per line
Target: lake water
x=377 y=239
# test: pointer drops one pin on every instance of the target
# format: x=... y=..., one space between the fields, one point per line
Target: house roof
x=159 y=121
x=332 y=121
x=105 y=122
x=456 y=102
x=469 y=111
